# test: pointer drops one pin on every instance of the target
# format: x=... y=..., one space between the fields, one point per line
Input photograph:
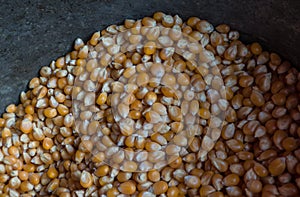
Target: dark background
x=33 y=33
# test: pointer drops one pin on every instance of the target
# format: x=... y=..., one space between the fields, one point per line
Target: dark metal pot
x=32 y=33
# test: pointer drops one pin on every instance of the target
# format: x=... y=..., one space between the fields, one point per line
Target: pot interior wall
x=33 y=33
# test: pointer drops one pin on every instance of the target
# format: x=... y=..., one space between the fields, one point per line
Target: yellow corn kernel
x=127 y=187
x=47 y=143
x=5 y=133
x=29 y=167
x=62 y=109
x=60 y=62
x=102 y=98
x=26 y=126
x=52 y=173
x=50 y=112
x=102 y=171
x=86 y=179
x=11 y=108
x=150 y=48
x=29 y=109
x=34 y=179
x=204 y=113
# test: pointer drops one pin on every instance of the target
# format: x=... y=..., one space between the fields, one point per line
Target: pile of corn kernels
x=156 y=107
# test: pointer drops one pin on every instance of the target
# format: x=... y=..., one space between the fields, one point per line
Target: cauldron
x=33 y=33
